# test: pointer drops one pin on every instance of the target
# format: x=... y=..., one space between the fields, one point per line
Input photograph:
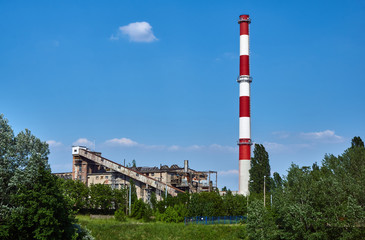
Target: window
x=97 y=177
x=106 y=177
x=101 y=177
x=152 y=174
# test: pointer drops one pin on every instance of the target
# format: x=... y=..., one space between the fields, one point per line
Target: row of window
x=102 y=177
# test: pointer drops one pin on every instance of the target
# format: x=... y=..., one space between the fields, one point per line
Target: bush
x=119 y=215
x=172 y=214
x=141 y=210
x=82 y=233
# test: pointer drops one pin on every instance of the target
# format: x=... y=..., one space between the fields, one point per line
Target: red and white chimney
x=244 y=81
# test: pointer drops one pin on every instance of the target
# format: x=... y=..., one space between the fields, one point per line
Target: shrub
x=120 y=215
x=82 y=233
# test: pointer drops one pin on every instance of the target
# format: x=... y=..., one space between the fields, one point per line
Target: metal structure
x=183 y=178
x=86 y=162
x=91 y=168
x=244 y=81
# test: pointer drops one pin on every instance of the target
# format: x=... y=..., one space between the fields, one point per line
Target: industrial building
x=91 y=168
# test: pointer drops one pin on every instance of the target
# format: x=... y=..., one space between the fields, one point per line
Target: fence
x=214 y=220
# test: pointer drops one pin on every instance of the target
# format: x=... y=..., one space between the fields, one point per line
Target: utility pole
x=264 y=191
x=166 y=192
x=130 y=199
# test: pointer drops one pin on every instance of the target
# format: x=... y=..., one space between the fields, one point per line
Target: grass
x=110 y=229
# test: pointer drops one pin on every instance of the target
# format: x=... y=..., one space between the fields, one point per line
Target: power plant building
x=91 y=167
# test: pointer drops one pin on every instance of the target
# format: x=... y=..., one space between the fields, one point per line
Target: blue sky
x=155 y=81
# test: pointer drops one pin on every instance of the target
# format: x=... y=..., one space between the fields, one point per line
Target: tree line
x=102 y=199
x=323 y=201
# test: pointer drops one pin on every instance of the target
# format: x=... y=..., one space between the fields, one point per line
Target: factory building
x=91 y=167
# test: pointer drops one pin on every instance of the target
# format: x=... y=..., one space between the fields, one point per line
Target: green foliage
x=76 y=192
x=32 y=205
x=153 y=201
x=119 y=198
x=206 y=204
x=260 y=223
x=101 y=196
x=82 y=233
x=141 y=210
x=119 y=215
x=44 y=213
x=325 y=202
x=133 y=191
x=260 y=167
x=357 y=142
x=234 y=205
x=181 y=198
x=173 y=214
x=277 y=181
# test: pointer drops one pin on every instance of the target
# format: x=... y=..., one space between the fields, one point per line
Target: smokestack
x=244 y=81
x=186 y=165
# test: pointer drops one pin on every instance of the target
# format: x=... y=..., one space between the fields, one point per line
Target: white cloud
x=174 y=148
x=327 y=136
x=53 y=143
x=136 y=32
x=124 y=142
x=153 y=147
x=281 y=134
x=223 y=148
x=228 y=172
x=194 y=147
x=84 y=142
x=273 y=146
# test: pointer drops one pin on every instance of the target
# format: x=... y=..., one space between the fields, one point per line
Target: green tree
x=234 y=205
x=357 y=142
x=325 y=202
x=133 y=191
x=101 y=197
x=31 y=203
x=260 y=222
x=277 y=181
x=153 y=201
x=119 y=215
x=260 y=167
x=76 y=192
x=206 y=204
x=141 y=210
x=119 y=198
x=44 y=213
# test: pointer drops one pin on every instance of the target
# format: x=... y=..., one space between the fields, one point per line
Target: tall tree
x=260 y=167
x=326 y=202
x=31 y=203
x=277 y=181
x=44 y=213
x=357 y=142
